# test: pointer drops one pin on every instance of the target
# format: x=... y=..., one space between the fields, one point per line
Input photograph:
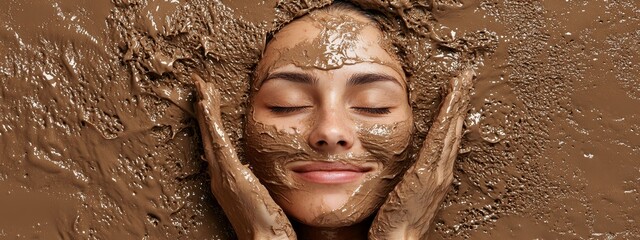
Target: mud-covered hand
x=245 y=201
x=412 y=205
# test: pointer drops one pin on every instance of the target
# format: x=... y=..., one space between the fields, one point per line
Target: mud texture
x=98 y=138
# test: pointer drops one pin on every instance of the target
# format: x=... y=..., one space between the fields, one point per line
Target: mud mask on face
x=269 y=150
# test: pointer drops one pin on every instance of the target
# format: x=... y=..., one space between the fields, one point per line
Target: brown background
x=97 y=138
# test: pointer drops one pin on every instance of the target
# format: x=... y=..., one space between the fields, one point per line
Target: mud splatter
x=96 y=120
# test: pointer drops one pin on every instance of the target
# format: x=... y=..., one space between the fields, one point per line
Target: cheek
x=268 y=150
x=389 y=143
x=291 y=124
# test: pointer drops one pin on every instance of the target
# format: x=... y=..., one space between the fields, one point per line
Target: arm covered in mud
x=412 y=205
x=245 y=201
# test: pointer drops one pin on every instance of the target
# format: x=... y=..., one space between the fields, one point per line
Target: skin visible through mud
x=98 y=138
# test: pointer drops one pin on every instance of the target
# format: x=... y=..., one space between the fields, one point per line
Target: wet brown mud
x=98 y=138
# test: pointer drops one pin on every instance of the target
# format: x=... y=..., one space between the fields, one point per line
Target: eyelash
x=277 y=109
x=376 y=111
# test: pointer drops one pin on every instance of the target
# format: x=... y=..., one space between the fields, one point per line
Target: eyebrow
x=293 y=77
x=355 y=79
x=365 y=78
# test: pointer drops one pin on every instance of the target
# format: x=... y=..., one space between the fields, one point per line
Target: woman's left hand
x=412 y=205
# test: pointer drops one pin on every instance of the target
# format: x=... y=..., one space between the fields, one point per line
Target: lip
x=330 y=173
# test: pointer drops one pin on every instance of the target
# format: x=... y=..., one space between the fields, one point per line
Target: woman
x=327 y=136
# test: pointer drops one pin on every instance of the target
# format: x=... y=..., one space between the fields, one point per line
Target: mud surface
x=98 y=139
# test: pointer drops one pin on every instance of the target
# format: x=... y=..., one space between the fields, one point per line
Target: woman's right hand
x=245 y=201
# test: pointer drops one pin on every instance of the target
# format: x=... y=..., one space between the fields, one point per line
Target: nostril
x=322 y=143
x=342 y=143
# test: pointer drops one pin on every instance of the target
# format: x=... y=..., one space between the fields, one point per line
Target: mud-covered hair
x=346 y=7
x=342 y=7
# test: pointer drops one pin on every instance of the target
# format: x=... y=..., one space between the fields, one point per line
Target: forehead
x=326 y=42
x=350 y=27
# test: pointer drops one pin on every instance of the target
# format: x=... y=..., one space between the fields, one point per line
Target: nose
x=332 y=134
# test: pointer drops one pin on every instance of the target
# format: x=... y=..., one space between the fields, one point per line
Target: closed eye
x=280 y=109
x=375 y=111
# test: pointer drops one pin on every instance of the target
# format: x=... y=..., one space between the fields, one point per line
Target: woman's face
x=330 y=123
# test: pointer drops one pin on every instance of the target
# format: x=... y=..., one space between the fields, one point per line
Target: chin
x=328 y=207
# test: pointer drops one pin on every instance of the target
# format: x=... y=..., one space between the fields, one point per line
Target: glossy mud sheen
x=98 y=138
x=387 y=145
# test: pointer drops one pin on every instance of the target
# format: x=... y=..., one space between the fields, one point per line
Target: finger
x=461 y=87
x=434 y=143
x=455 y=103
x=465 y=83
x=208 y=104
x=218 y=147
x=204 y=114
x=450 y=150
x=458 y=137
x=456 y=121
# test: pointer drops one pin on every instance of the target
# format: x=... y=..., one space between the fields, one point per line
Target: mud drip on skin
x=270 y=149
x=95 y=118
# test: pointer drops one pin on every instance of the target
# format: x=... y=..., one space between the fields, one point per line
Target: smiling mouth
x=330 y=173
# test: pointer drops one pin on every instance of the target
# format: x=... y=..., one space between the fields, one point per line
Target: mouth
x=330 y=172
